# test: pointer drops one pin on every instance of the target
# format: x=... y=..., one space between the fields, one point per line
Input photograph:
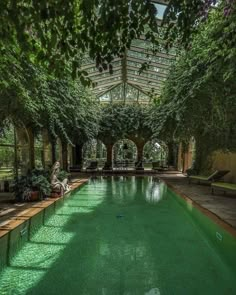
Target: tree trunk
x=78 y=156
x=109 y=161
x=64 y=151
x=139 y=164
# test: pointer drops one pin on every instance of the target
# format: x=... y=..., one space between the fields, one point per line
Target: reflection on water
x=126 y=189
x=154 y=291
x=156 y=191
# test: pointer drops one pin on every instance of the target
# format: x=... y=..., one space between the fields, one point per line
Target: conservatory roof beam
x=107 y=78
x=162 y=2
x=107 y=84
x=140 y=60
x=124 y=67
x=101 y=93
x=137 y=87
x=147 y=80
x=92 y=65
x=133 y=68
x=152 y=89
x=149 y=52
x=142 y=84
x=115 y=69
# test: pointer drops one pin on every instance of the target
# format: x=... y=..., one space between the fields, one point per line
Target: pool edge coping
x=211 y=215
x=15 y=220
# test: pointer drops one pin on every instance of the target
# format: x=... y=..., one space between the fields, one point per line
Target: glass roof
x=138 y=73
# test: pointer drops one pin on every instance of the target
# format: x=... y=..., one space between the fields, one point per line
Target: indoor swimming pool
x=123 y=235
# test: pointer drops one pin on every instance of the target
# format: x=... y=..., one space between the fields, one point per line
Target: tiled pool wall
x=221 y=236
x=23 y=228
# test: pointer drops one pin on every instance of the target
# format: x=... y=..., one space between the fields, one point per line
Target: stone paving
x=222 y=205
x=11 y=210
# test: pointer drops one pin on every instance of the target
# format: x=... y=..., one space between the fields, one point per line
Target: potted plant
x=22 y=188
x=41 y=184
x=32 y=187
x=62 y=174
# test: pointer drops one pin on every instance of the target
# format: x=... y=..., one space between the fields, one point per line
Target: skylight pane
x=160 y=10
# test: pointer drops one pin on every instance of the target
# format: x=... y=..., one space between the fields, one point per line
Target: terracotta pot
x=34 y=196
x=55 y=195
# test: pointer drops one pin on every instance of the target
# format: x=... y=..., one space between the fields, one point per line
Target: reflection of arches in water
x=153 y=291
x=155 y=151
x=125 y=251
x=123 y=193
x=94 y=150
x=156 y=191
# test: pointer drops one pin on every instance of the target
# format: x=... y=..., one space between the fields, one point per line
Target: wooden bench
x=223 y=186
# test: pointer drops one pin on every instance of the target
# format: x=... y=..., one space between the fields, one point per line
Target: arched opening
x=155 y=151
x=94 y=151
x=124 y=154
x=8 y=157
x=38 y=151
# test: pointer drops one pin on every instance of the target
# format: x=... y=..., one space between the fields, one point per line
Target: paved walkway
x=224 y=206
x=11 y=210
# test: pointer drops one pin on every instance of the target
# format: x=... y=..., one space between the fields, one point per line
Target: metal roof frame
x=127 y=70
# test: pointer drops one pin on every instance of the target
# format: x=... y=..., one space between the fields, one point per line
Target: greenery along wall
x=199 y=96
x=29 y=95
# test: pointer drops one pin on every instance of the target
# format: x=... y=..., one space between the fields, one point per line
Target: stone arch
x=38 y=151
x=124 y=153
x=25 y=141
x=156 y=150
x=94 y=150
x=8 y=149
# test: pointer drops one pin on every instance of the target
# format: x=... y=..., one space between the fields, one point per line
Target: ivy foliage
x=31 y=96
x=199 y=96
x=15 y=88
x=59 y=32
x=120 y=121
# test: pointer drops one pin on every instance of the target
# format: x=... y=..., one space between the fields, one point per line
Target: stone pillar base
x=107 y=167
x=76 y=168
x=139 y=168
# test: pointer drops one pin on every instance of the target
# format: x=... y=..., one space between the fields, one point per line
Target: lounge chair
x=157 y=167
x=217 y=175
x=223 y=186
x=93 y=166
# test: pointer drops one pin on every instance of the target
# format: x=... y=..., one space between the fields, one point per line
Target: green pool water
x=119 y=235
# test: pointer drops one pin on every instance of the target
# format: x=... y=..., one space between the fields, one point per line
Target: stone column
x=59 y=142
x=171 y=154
x=47 y=150
x=53 y=149
x=23 y=143
x=70 y=156
x=109 y=161
x=78 y=156
x=139 y=164
x=31 y=148
x=25 y=140
x=64 y=155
